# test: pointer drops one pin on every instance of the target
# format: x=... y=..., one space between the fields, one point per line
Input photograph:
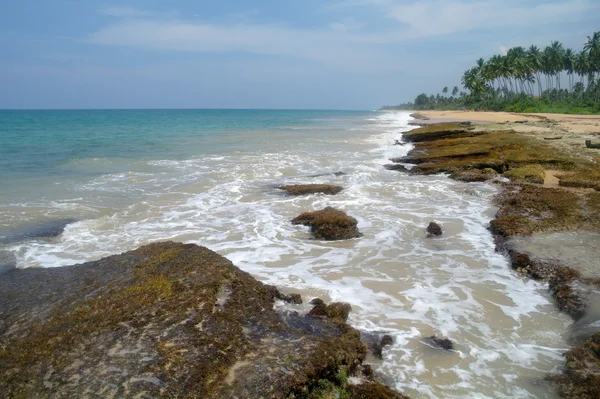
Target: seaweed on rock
x=167 y=319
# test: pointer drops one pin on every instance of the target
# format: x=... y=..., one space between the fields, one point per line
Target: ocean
x=79 y=185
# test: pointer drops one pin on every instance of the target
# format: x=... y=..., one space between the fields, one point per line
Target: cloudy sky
x=337 y=54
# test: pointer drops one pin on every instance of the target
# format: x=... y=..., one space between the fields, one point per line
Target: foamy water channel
x=507 y=332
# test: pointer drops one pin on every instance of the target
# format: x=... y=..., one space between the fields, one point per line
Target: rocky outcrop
x=304 y=189
x=329 y=224
x=166 y=320
x=581 y=376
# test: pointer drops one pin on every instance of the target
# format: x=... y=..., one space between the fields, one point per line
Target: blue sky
x=338 y=54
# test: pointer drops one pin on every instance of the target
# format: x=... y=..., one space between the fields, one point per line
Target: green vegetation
x=526 y=80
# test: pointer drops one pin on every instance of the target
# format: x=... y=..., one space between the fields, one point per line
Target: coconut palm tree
x=557 y=52
x=592 y=47
x=581 y=65
x=534 y=55
x=569 y=65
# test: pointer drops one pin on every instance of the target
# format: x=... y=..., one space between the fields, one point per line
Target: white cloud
x=441 y=17
x=340 y=43
x=333 y=44
x=132 y=12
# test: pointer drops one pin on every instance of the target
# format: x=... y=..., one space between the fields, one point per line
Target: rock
x=373 y=391
x=367 y=371
x=337 y=311
x=304 y=189
x=581 y=377
x=434 y=229
x=387 y=340
x=165 y=320
x=526 y=174
x=419 y=116
x=397 y=166
x=317 y=301
x=435 y=132
x=474 y=175
x=290 y=298
x=376 y=342
x=329 y=224
x=404 y=159
x=439 y=343
x=588 y=144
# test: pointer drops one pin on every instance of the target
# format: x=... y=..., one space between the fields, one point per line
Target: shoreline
x=552 y=191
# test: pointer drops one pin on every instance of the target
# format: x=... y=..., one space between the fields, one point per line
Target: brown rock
x=434 y=229
x=165 y=320
x=440 y=343
x=581 y=378
x=304 y=189
x=329 y=224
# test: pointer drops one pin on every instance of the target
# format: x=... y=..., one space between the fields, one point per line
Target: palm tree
x=556 y=60
x=569 y=65
x=534 y=55
x=454 y=91
x=582 y=65
x=592 y=47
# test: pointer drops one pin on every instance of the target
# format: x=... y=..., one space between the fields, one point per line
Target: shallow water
x=506 y=330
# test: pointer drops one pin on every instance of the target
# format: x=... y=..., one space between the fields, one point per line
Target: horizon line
x=184 y=109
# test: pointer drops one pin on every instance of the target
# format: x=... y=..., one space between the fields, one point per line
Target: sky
x=291 y=54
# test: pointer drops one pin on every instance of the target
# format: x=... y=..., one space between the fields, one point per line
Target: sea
x=79 y=185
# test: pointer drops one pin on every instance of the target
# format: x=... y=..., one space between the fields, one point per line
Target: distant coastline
x=552 y=80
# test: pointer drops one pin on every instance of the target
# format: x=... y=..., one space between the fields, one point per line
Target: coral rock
x=329 y=224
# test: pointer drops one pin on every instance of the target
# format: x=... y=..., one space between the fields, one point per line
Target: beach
x=218 y=187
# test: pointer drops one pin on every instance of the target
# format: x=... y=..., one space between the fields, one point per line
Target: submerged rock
x=329 y=224
x=165 y=320
x=439 y=343
x=376 y=342
x=434 y=229
x=304 y=189
x=397 y=166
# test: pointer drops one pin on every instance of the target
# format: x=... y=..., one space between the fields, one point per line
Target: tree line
x=553 y=79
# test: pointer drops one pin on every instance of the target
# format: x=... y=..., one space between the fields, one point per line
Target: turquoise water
x=44 y=154
x=34 y=142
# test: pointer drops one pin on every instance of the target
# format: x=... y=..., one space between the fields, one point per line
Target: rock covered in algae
x=304 y=189
x=165 y=320
x=581 y=376
x=329 y=224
